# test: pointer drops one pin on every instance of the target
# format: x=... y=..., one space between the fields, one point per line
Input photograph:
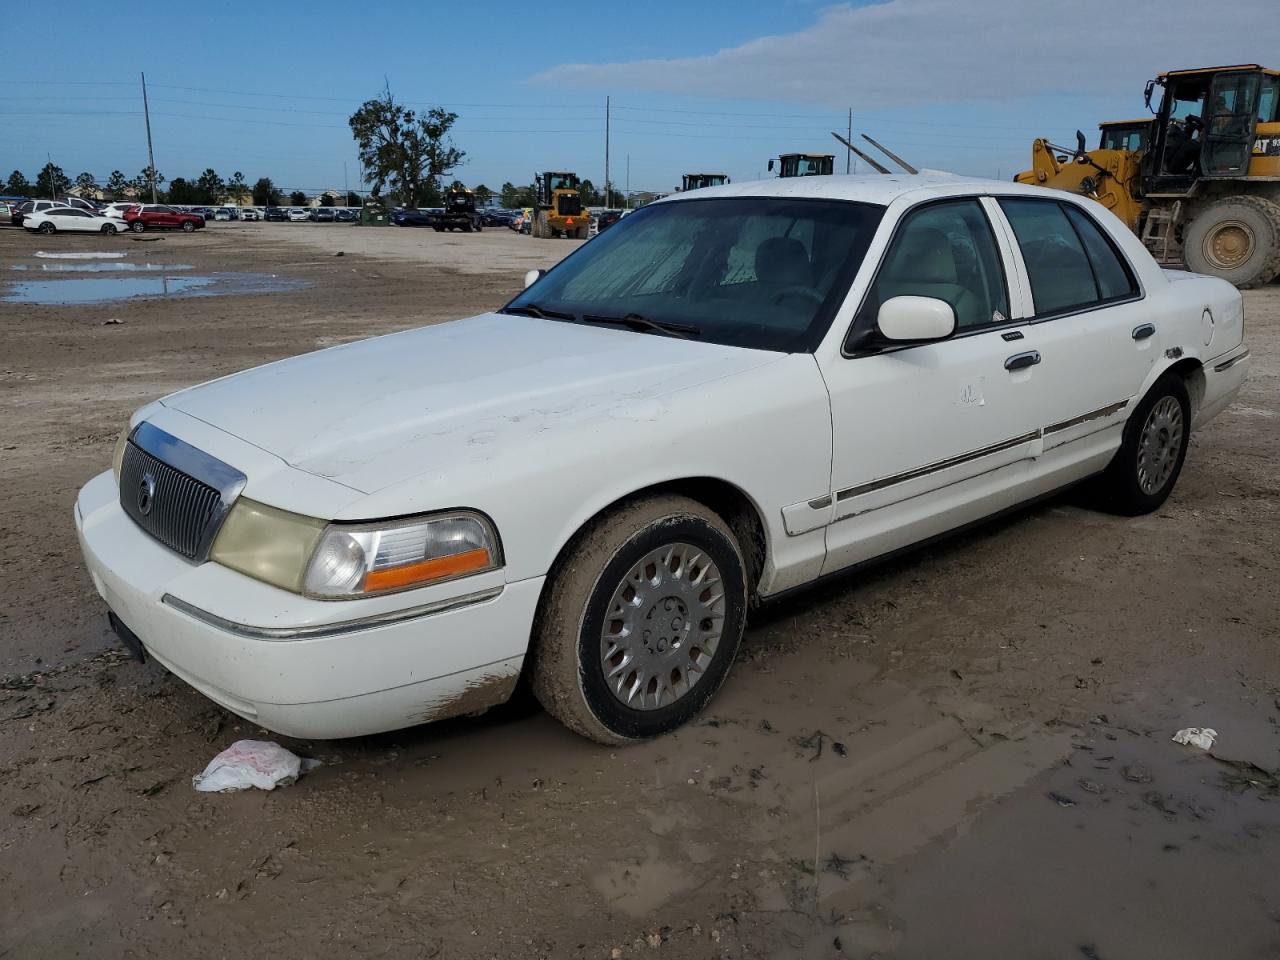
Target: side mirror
x=1146 y=94
x=532 y=277
x=916 y=319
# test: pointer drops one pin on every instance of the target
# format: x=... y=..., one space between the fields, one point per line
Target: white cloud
x=907 y=52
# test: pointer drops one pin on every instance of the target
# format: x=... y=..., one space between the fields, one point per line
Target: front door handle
x=1020 y=361
x=1143 y=330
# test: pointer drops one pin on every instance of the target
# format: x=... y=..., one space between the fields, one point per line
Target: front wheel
x=641 y=620
x=188 y=226
x=47 y=228
x=1144 y=470
x=109 y=229
x=137 y=226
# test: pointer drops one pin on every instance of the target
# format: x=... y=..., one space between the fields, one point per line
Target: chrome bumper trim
x=872 y=485
x=1228 y=364
x=330 y=629
x=1098 y=414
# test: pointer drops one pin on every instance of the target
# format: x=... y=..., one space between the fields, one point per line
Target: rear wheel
x=1145 y=468
x=137 y=226
x=109 y=229
x=47 y=228
x=1237 y=239
x=641 y=621
x=188 y=226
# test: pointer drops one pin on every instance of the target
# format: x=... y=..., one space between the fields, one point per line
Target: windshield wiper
x=533 y=310
x=637 y=321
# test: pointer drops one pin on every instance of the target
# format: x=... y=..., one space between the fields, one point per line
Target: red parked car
x=157 y=216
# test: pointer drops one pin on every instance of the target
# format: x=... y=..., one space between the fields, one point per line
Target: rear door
x=1088 y=320
x=921 y=432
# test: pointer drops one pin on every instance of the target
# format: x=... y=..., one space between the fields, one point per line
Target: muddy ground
x=962 y=754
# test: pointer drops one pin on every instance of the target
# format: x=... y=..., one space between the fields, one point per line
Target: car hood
x=377 y=412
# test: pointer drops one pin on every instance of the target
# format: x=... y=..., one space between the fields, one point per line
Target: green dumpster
x=373 y=215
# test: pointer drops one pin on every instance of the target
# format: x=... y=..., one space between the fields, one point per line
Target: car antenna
x=861 y=156
x=890 y=154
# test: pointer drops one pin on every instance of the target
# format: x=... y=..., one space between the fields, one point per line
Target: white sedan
x=297 y=215
x=71 y=219
x=728 y=395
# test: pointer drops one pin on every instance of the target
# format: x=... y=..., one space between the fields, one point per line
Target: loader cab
x=1128 y=135
x=696 y=181
x=556 y=180
x=1207 y=125
x=805 y=164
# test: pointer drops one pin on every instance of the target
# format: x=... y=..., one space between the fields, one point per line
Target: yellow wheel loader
x=1202 y=188
x=559 y=211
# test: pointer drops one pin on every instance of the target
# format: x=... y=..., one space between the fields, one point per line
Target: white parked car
x=250 y=213
x=117 y=210
x=71 y=219
x=297 y=215
x=720 y=399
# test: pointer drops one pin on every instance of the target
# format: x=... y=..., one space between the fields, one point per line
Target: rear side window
x=1070 y=262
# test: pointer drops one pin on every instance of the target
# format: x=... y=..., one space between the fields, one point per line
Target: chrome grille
x=177 y=508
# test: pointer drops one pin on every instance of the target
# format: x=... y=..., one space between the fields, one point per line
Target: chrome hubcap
x=1159 y=445
x=662 y=627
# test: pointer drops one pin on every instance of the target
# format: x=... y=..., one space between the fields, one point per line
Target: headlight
x=117 y=455
x=355 y=560
x=342 y=561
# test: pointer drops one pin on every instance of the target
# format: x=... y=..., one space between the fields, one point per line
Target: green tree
x=236 y=186
x=353 y=200
x=87 y=185
x=17 y=185
x=483 y=195
x=143 y=181
x=298 y=198
x=589 y=194
x=183 y=191
x=210 y=187
x=407 y=150
x=328 y=200
x=265 y=193
x=509 y=196
x=116 y=185
x=51 y=181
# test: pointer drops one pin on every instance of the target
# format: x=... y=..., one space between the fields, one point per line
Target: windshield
x=760 y=272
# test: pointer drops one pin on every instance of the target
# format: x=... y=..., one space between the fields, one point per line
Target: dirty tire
x=567 y=674
x=1212 y=241
x=1119 y=489
x=137 y=226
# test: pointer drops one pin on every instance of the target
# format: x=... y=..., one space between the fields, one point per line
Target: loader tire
x=1237 y=239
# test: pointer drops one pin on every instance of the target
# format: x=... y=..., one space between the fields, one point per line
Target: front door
x=1230 y=117
x=923 y=433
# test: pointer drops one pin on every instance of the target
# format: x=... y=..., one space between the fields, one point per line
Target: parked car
x=24 y=210
x=299 y=215
x=275 y=214
x=71 y=220
x=606 y=219
x=117 y=209
x=159 y=216
x=250 y=213
x=409 y=217
x=222 y=213
x=207 y=213
x=7 y=207
x=345 y=216
x=324 y=215
x=734 y=397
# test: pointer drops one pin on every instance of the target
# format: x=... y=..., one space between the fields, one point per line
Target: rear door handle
x=1020 y=361
x=1143 y=330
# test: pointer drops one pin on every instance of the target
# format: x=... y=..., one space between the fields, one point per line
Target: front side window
x=760 y=272
x=1069 y=261
x=945 y=251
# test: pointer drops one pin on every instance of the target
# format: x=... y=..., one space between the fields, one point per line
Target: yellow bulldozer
x=1200 y=182
x=559 y=212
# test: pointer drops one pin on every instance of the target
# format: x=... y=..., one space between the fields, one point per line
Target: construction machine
x=1203 y=189
x=696 y=181
x=559 y=210
x=459 y=212
x=805 y=164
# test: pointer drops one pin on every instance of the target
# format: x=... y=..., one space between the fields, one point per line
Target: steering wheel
x=800 y=290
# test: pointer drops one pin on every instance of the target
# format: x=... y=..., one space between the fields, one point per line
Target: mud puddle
x=76 y=292
x=105 y=267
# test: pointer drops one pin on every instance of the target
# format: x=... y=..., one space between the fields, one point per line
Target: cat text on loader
x=1204 y=190
x=559 y=211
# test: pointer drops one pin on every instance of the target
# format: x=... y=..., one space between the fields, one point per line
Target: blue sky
x=265 y=88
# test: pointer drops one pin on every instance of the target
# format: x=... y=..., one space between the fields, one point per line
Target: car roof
x=877 y=188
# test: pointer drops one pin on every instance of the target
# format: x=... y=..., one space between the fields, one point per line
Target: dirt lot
x=962 y=754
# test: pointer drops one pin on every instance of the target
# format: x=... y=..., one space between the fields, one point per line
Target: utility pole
x=628 y=181
x=606 y=151
x=848 y=153
x=151 y=160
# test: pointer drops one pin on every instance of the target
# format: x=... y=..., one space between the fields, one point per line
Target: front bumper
x=308 y=668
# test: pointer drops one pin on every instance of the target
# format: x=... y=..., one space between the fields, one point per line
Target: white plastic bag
x=251 y=763
x=1201 y=737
